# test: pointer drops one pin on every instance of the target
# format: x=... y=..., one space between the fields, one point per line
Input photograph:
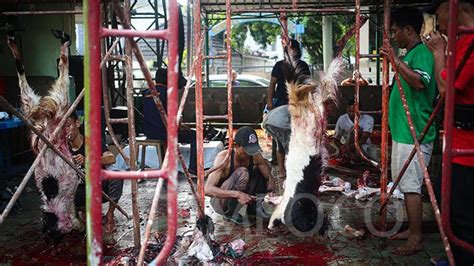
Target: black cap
x=247 y=138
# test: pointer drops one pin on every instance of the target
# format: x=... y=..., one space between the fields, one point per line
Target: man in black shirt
x=113 y=188
x=287 y=70
x=153 y=126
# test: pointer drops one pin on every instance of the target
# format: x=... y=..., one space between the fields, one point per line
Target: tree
x=313 y=36
x=265 y=33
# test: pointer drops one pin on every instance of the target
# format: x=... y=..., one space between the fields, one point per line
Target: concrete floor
x=21 y=241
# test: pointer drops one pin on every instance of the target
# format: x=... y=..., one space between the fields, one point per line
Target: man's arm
x=212 y=190
x=270 y=93
x=367 y=126
x=437 y=45
x=409 y=75
x=107 y=158
x=266 y=170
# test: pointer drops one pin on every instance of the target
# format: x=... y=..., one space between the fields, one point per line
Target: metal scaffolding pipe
x=385 y=94
x=48 y=12
x=199 y=103
x=92 y=101
x=464 y=29
x=134 y=175
x=294 y=10
x=229 y=74
x=151 y=218
x=448 y=152
x=151 y=86
x=131 y=139
x=357 y=87
x=155 y=34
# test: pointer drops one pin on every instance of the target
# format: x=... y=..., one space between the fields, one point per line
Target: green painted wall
x=38 y=46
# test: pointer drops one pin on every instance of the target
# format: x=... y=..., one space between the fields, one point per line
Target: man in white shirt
x=344 y=135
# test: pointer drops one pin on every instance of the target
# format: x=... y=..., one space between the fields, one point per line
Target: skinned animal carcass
x=307 y=154
x=56 y=181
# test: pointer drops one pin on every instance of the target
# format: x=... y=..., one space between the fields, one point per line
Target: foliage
x=265 y=33
x=313 y=36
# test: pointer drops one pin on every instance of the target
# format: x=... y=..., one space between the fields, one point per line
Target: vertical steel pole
x=385 y=95
x=449 y=119
x=172 y=195
x=357 y=86
x=198 y=97
x=377 y=44
x=92 y=81
x=228 y=15
x=131 y=129
x=206 y=22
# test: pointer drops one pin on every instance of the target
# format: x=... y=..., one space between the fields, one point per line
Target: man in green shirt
x=416 y=73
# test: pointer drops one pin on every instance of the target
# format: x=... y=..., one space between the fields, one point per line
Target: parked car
x=249 y=98
x=220 y=80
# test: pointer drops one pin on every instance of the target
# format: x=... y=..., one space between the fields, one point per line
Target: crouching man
x=244 y=176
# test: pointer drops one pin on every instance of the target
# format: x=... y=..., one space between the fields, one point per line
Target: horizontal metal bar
x=464 y=29
x=214 y=57
x=156 y=34
x=153 y=174
x=115 y=57
x=462 y=152
x=214 y=117
x=369 y=55
x=297 y=10
x=118 y=120
x=50 y=12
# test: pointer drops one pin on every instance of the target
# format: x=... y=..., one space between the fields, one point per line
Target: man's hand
x=79 y=159
x=269 y=105
x=386 y=51
x=436 y=43
x=244 y=198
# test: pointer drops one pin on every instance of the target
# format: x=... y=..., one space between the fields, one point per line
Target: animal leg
x=29 y=98
x=59 y=91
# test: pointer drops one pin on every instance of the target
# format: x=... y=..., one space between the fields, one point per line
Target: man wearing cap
x=244 y=176
x=462 y=169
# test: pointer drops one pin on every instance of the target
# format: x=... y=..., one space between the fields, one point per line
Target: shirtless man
x=246 y=174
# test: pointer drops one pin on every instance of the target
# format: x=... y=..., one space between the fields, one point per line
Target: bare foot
x=400 y=236
x=410 y=248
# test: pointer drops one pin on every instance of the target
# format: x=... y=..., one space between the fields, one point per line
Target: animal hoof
x=11 y=36
x=64 y=37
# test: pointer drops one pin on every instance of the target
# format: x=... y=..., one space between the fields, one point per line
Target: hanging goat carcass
x=306 y=157
x=55 y=180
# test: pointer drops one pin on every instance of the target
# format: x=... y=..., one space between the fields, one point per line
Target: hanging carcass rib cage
x=95 y=173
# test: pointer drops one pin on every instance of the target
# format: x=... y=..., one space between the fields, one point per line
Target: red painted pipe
x=385 y=94
x=448 y=152
x=357 y=86
x=154 y=34
x=199 y=104
x=229 y=73
x=172 y=215
x=93 y=135
x=153 y=174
